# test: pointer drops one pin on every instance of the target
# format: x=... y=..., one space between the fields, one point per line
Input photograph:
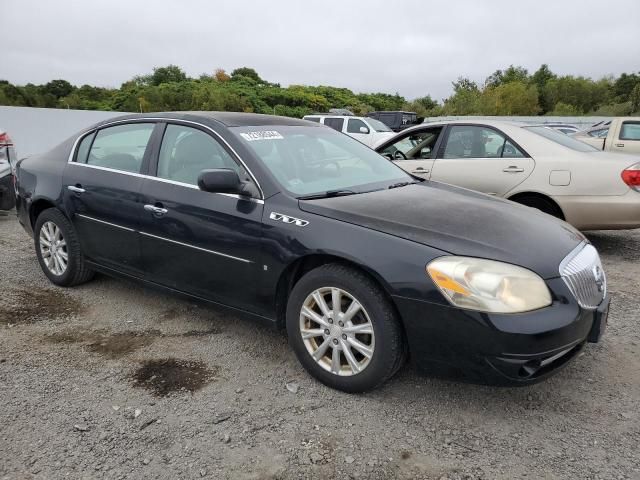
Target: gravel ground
x=112 y=380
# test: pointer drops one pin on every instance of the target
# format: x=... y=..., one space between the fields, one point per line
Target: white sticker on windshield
x=262 y=135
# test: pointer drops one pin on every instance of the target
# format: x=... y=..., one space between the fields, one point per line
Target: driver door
x=415 y=151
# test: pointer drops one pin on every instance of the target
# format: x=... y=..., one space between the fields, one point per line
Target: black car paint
x=228 y=250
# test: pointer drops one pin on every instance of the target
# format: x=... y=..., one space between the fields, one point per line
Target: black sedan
x=295 y=224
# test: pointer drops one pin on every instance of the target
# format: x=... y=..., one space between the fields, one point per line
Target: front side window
x=308 y=160
x=630 y=131
x=378 y=126
x=354 y=125
x=121 y=147
x=186 y=152
x=335 y=123
x=468 y=141
x=415 y=146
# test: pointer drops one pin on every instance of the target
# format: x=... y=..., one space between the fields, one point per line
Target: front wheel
x=343 y=329
x=58 y=249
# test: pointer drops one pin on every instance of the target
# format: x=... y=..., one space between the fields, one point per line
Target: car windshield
x=562 y=139
x=315 y=160
x=377 y=125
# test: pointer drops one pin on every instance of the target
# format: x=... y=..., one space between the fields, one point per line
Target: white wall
x=36 y=130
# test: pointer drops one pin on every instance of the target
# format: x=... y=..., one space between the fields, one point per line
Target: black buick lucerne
x=291 y=222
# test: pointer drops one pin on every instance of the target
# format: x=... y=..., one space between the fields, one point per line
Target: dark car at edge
x=292 y=223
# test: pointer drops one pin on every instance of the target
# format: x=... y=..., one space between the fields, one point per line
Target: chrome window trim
x=106 y=223
x=173 y=182
x=157 y=119
x=197 y=248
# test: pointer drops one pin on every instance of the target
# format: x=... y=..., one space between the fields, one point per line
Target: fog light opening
x=529 y=369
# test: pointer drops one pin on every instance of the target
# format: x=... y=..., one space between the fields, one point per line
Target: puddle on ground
x=113 y=345
x=119 y=344
x=32 y=304
x=164 y=376
x=116 y=345
x=202 y=333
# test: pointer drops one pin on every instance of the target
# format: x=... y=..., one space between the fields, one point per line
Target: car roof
x=228 y=119
x=490 y=123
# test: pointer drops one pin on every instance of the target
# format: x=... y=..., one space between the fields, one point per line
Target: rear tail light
x=631 y=176
x=5 y=140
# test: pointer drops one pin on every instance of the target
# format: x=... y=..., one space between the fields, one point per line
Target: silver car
x=532 y=165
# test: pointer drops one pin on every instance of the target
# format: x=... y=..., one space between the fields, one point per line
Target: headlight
x=488 y=286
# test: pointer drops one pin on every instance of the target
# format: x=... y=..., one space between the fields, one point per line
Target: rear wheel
x=343 y=329
x=58 y=249
x=541 y=203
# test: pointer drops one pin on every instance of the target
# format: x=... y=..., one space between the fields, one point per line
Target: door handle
x=76 y=189
x=155 y=210
x=420 y=170
x=619 y=144
x=513 y=169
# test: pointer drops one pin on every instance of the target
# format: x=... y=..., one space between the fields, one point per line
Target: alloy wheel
x=53 y=248
x=337 y=331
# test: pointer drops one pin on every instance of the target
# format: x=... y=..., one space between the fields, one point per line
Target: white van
x=369 y=131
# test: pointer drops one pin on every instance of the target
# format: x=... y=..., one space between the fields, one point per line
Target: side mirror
x=220 y=180
x=364 y=130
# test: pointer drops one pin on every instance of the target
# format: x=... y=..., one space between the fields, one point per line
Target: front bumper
x=515 y=349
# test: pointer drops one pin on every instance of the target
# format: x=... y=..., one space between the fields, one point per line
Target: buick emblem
x=598 y=275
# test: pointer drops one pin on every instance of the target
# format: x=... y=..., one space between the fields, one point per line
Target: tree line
x=513 y=91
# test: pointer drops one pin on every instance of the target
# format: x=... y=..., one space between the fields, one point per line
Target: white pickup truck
x=619 y=135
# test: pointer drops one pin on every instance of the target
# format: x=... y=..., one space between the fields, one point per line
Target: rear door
x=415 y=151
x=206 y=244
x=627 y=137
x=481 y=158
x=101 y=188
x=337 y=123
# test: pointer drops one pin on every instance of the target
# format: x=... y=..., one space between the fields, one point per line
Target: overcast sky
x=412 y=47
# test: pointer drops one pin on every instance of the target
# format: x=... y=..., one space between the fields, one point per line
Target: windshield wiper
x=328 y=194
x=401 y=184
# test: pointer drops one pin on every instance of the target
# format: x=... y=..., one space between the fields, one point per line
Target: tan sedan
x=532 y=165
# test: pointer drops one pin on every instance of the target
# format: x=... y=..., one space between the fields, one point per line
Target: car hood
x=460 y=222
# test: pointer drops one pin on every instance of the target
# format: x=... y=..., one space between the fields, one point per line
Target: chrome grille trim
x=582 y=272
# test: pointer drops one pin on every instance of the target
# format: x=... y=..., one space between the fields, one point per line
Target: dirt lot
x=111 y=380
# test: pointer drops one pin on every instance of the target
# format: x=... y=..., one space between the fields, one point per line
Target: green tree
x=58 y=88
x=168 y=74
x=564 y=110
x=634 y=98
x=512 y=98
x=246 y=72
x=511 y=74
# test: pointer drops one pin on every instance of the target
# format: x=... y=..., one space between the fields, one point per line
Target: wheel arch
x=37 y=207
x=531 y=194
x=296 y=270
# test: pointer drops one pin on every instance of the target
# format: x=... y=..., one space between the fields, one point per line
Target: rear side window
x=313 y=119
x=630 y=131
x=354 y=125
x=335 y=123
x=121 y=147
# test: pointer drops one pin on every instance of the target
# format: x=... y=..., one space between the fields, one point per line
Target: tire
x=76 y=270
x=543 y=204
x=386 y=346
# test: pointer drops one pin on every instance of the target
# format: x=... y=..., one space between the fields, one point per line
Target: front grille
x=582 y=271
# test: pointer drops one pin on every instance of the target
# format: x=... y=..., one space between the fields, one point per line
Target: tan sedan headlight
x=488 y=286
